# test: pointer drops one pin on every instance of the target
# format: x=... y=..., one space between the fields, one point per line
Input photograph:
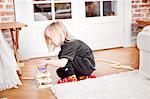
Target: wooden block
x=28 y=78
x=45 y=86
x=41 y=74
x=121 y=66
x=44 y=82
x=107 y=61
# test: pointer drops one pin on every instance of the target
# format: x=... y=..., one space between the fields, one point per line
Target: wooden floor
x=29 y=90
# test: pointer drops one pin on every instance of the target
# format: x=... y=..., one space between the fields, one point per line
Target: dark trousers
x=77 y=67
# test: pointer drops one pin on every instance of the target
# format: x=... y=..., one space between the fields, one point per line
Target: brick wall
x=140 y=10
x=7 y=14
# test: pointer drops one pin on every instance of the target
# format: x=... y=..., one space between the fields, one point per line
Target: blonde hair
x=56 y=33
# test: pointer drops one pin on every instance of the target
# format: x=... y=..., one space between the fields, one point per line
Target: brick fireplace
x=140 y=10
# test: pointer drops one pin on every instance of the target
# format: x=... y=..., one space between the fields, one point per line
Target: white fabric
x=143 y=40
x=143 y=43
x=126 y=85
x=144 y=67
x=8 y=65
x=146 y=28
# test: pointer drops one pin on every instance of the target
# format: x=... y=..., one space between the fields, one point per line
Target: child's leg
x=76 y=68
x=82 y=70
x=61 y=72
x=64 y=72
x=80 y=67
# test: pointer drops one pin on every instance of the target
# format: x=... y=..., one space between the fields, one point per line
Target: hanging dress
x=8 y=66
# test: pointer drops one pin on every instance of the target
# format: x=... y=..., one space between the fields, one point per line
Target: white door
x=99 y=23
x=102 y=27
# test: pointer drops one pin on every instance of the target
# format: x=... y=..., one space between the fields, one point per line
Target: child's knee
x=64 y=72
x=61 y=72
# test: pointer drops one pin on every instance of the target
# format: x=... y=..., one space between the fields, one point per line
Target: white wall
x=98 y=33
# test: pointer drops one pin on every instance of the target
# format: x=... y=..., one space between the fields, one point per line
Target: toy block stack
x=43 y=77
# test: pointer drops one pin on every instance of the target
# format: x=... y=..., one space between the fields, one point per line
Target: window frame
x=52 y=2
x=101 y=18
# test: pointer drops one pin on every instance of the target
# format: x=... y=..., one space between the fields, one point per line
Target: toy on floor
x=115 y=64
x=121 y=66
x=43 y=77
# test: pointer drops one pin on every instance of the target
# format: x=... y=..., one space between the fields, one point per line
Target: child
x=8 y=66
x=76 y=60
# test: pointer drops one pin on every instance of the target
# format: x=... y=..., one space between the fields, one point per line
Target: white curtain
x=8 y=66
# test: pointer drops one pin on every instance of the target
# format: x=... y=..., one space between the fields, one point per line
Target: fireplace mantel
x=142 y=23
